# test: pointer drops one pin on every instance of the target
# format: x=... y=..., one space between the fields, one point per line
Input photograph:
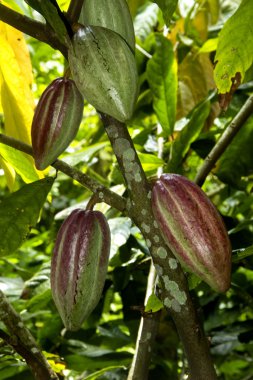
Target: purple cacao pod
x=79 y=265
x=193 y=229
x=56 y=121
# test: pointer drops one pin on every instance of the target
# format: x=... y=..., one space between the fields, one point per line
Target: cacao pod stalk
x=79 y=265
x=193 y=229
x=56 y=121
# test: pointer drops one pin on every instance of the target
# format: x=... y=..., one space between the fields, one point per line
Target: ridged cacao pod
x=193 y=229
x=113 y=14
x=79 y=265
x=56 y=121
x=104 y=69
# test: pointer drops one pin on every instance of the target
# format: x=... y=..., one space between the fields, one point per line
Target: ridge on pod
x=193 y=229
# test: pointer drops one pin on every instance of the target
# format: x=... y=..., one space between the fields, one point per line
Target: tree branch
x=224 y=141
x=41 y=31
x=104 y=194
x=74 y=10
x=23 y=342
x=174 y=290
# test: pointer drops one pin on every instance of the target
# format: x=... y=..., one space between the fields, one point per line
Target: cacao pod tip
x=193 y=229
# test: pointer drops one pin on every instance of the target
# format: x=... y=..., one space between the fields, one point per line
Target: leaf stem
x=104 y=194
x=224 y=141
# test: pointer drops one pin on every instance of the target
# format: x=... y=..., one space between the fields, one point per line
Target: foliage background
x=178 y=102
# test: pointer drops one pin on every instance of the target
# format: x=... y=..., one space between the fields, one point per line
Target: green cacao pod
x=79 y=265
x=113 y=15
x=104 y=69
x=56 y=121
x=193 y=229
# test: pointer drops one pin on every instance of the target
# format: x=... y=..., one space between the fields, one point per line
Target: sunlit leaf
x=235 y=46
x=154 y=304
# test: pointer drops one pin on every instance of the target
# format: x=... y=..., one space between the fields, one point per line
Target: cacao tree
x=115 y=264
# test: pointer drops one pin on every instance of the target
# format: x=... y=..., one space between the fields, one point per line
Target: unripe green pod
x=79 y=265
x=193 y=229
x=113 y=15
x=104 y=69
x=56 y=121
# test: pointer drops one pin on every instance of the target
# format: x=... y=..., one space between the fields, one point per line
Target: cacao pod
x=104 y=69
x=113 y=15
x=193 y=229
x=56 y=121
x=79 y=265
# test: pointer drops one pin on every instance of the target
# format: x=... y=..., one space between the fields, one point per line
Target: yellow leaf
x=16 y=96
x=195 y=82
x=9 y=172
x=18 y=111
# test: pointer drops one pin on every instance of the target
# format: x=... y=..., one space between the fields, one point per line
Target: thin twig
x=23 y=342
x=224 y=141
x=146 y=336
x=41 y=31
x=104 y=194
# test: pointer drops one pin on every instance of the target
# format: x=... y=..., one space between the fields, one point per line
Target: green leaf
x=48 y=9
x=150 y=162
x=97 y=374
x=168 y=7
x=153 y=305
x=233 y=164
x=21 y=162
x=243 y=254
x=235 y=46
x=162 y=78
x=188 y=134
x=19 y=212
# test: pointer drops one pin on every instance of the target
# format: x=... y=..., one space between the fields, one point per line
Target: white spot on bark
x=144 y=212
x=120 y=146
x=173 y=263
x=149 y=195
x=145 y=227
x=156 y=224
x=100 y=195
x=156 y=239
x=176 y=293
x=34 y=350
x=20 y=324
x=161 y=252
x=159 y=269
